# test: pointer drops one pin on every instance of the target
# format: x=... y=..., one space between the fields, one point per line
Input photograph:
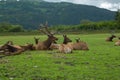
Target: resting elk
x=80 y=45
x=10 y=49
x=110 y=39
x=45 y=45
x=65 y=47
x=117 y=43
x=36 y=40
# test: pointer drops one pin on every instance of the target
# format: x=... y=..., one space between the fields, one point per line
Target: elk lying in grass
x=80 y=45
x=10 y=49
x=117 y=43
x=110 y=39
x=45 y=45
x=65 y=47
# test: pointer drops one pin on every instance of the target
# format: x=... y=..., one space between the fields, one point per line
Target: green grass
x=101 y=62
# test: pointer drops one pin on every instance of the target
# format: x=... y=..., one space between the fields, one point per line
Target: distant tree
x=16 y=28
x=7 y=27
x=117 y=17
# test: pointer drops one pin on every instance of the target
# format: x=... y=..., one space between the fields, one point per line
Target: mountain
x=31 y=13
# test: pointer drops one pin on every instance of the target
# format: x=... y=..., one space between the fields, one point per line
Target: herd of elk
x=68 y=46
x=49 y=44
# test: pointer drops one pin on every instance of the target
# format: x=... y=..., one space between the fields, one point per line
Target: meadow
x=101 y=62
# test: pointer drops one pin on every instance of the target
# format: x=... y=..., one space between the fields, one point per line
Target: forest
x=85 y=25
x=30 y=14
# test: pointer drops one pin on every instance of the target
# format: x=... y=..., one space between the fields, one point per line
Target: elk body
x=65 y=47
x=45 y=45
x=79 y=45
x=117 y=43
x=54 y=46
x=110 y=39
x=9 y=49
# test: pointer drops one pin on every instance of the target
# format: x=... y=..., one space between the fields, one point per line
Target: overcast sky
x=108 y=4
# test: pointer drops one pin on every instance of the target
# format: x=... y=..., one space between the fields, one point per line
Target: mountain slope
x=30 y=14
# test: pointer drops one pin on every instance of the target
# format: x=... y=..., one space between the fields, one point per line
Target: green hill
x=31 y=13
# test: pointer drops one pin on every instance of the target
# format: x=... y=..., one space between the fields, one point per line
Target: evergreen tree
x=117 y=17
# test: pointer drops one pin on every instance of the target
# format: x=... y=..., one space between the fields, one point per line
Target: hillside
x=30 y=14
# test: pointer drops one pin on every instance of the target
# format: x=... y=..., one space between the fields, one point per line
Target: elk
x=10 y=49
x=45 y=45
x=65 y=47
x=110 y=39
x=117 y=43
x=36 y=40
x=80 y=45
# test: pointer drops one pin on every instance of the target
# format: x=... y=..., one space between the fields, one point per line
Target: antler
x=46 y=28
x=41 y=26
x=46 y=31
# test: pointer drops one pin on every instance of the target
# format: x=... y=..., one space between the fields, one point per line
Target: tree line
x=85 y=25
x=7 y=27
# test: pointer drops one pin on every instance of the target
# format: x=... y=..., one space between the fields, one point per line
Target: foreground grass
x=101 y=62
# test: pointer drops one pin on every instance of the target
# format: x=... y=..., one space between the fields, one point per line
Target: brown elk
x=65 y=41
x=10 y=49
x=110 y=39
x=45 y=45
x=36 y=40
x=80 y=45
x=65 y=47
x=117 y=43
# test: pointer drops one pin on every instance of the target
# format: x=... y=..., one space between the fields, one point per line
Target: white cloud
x=107 y=4
x=110 y=6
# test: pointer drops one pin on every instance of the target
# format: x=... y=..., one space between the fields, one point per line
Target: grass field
x=101 y=62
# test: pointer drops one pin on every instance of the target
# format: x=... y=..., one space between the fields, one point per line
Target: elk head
x=66 y=39
x=77 y=40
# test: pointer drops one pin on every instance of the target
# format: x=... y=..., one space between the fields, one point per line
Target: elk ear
x=48 y=35
x=64 y=35
x=35 y=38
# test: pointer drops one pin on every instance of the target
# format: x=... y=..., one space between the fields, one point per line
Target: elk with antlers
x=110 y=39
x=45 y=45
